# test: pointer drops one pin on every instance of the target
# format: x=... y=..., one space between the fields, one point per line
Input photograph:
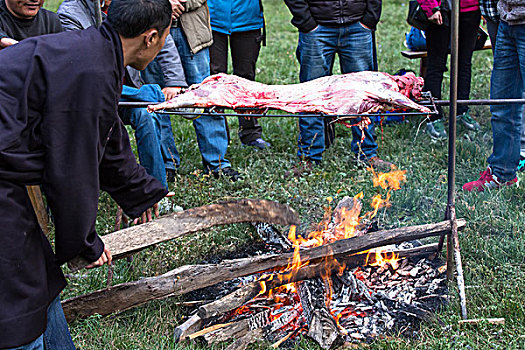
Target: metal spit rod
x=482 y=102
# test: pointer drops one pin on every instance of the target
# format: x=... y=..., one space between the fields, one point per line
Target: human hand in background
x=171 y=92
x=177 y=7
x=436 y=18
x=5 y=42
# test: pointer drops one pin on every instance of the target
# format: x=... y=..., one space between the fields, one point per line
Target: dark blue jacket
x=59 y=128
x=233 y=16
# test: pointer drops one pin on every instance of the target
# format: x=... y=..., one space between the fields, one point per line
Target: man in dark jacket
x=59 y=128
x=325 y=28
x=21 y=19
x=191 y=31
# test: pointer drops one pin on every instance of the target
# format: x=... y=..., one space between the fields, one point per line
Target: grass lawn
x=493 y=244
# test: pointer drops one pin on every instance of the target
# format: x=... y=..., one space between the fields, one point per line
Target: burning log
x=248 y=330
x=323 y=329
x=136 y=238
x=192 y=277
x=243 y=342
x=250 y=290
x=238 y=329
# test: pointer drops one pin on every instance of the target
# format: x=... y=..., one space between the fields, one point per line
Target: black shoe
x=170 y=175
x=228 y=172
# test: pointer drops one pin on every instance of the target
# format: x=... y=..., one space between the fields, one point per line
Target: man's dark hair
x=130 y=18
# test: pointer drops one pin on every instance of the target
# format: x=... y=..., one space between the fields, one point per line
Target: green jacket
x=195 y=22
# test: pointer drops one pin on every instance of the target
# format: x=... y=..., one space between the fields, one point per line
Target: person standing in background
x=327 y=28
x=507 y=82
x=25 y=19
x=240 y=22
x=191 y=32
x=489 y=11
x=438 y=47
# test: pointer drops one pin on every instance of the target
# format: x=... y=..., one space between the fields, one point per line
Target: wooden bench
x=422 y=55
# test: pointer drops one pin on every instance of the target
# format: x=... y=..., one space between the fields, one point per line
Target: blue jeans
x=212 y=137
x=56 y=336
x=316 y=53
x=153 y=135
x=508 y=81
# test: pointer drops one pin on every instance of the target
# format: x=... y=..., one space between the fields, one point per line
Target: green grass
x=493 y=244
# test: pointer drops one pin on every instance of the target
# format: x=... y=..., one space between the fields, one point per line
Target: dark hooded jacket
x=307 y=14
x=59 y=128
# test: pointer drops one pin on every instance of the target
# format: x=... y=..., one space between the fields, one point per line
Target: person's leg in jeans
x=37 y=344
x=468 y=34
x=170 y=155
x=245 y=48
x=148 y=135
x=316 y=53
x=57 y=336
x=356 y=55
x=507 y=81
x=492 y=28
x=212 y=137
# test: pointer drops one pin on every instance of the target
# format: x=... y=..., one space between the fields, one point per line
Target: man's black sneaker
x=228 y=172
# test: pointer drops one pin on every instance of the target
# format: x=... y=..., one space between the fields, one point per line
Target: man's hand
x=436 y=18
x=177 y=6
x=104 y=258
x=5 y=42
x=171 y=92
x=146 y=216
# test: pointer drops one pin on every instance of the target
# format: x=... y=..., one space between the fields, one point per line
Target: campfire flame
x=346 y=225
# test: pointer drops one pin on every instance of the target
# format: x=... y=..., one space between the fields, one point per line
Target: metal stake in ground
x=453 y=250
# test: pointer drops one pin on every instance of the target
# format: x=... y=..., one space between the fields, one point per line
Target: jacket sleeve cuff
x=94 y=251
x=307 y=25
x=3 y=35
x=369 y=21
x=176 y=83
x=138 y=209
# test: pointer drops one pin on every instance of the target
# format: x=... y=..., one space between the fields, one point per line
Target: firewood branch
x=192 y=277
x=133 y=239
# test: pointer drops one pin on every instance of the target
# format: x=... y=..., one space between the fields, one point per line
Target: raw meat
x=353 y=93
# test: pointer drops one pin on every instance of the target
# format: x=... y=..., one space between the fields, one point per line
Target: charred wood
x=133 y=239
x=192 y=325
x=250 y=290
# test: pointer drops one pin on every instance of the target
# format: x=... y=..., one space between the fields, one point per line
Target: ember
x=390 y=288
